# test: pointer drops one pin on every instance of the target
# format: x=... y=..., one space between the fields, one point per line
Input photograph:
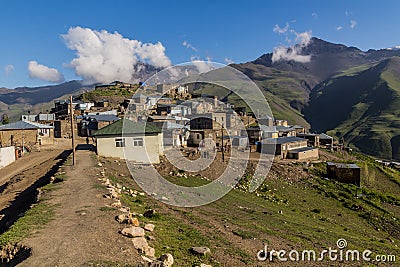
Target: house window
x=137 y=141
x=119 y=142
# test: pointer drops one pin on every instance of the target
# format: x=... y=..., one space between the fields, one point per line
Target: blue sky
x=238 y=31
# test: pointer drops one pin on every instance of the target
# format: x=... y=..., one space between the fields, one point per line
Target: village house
x=344 y=172
x=139 y=99
x=266 y=120
x=103 y=103
x=290 y=147
x=313 y=139
x=199 y=107
x=88 y=124
x=133 y=141
x=286 y=131
x=40 y=118
x=174 y=134
x=326 y=141
x=62 y=109
x=165 y=88
x=25 y=133
x=281 y=123
x=258 y=133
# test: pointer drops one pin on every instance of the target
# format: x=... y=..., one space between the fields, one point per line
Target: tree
x=5 y=119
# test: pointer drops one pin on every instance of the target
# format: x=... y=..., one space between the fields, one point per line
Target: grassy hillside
x=362 y=107
x=15 y=102
x=295 y=208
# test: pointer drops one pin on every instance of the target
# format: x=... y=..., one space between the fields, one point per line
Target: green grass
x=36 y=217
x=172 y=235
x=33 y=220
x=307 y=213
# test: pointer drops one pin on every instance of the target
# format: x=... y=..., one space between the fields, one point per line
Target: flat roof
x=343 y=165
x=282 y=140
x=303 y=149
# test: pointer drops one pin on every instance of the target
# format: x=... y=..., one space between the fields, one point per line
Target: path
x=81 y=233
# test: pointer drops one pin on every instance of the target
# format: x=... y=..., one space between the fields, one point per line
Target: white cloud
x=353 y=23
x=314 y=15
x=339 y=28
x=229 y=61
x=44 y=73
x=105 y=57
x=8 y=69
x=190 y=46
x=304 y=38
x=280 y=30
x=202 y=66
x=294 y=52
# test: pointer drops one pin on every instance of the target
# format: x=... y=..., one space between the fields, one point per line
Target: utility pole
x=72 y=130
x=222 y=147
x=23 y=145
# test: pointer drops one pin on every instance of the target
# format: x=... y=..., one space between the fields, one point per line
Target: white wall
x=7 y=156
x=148 y=153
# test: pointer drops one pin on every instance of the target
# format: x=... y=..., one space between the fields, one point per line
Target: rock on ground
x=149 y=227
x=133 y=231
x=200 y=250
x=167 y=260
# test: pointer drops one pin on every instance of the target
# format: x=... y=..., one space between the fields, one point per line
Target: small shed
x=344 y=172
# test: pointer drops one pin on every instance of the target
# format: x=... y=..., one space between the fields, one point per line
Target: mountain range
x=341 y=90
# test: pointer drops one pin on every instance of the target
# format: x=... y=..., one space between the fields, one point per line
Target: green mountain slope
x=364 y=108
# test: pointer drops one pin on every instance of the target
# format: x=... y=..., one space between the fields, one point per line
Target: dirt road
x=28 y=161
x=82 y=233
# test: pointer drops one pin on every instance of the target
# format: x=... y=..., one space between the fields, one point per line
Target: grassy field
x=285 y=213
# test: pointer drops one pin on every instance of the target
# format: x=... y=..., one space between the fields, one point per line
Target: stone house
x=313 y=139
x=25 y=133
x=326 y=140
x=88 y=124
x=288 y=148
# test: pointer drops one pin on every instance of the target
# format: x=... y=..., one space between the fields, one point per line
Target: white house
x=7 y=156
x=133 y=141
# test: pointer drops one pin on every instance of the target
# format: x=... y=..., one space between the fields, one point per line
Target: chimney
x=215 y=101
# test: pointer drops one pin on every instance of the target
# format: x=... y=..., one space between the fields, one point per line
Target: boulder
x=149 y=227
x=200 y=250
x=167 y=260
x=133 y=231
x=140 y=243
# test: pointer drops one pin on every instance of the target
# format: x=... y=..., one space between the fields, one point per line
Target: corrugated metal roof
x=101 y=117
x=325 y=136
x=24 y=125
x=126 y=127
